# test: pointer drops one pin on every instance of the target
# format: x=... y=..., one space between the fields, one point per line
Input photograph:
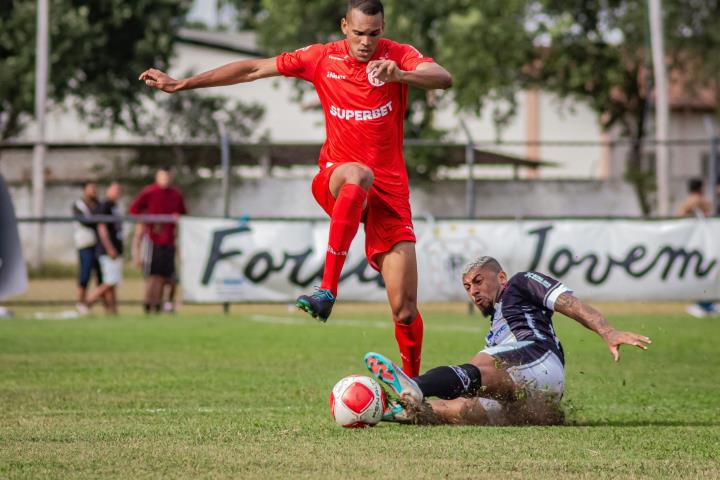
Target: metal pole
x=225 y=166
x=712 y=163
x=40 y=148
x=470 y=182
x=662 y=110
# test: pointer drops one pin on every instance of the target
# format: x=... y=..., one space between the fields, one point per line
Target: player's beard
x=488 y=311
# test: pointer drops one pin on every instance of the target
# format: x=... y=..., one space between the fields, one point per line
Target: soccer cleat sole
x=307 y=308
x=383 y=370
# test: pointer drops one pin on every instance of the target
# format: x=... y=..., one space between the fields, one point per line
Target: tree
x=177 y=119
x=98 y=48
x=598 y=52
x=462 y=35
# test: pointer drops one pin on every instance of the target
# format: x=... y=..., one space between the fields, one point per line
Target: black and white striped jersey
x=523 y=313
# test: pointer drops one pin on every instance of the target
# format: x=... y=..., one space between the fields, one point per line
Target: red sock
x=409 y=339
x=343 y=227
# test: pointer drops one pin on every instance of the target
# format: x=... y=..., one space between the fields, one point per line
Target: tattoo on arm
x=584 y=314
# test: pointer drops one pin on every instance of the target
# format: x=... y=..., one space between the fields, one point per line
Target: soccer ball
x=357 y=402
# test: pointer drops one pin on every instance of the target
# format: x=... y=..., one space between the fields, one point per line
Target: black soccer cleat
x=319 y=304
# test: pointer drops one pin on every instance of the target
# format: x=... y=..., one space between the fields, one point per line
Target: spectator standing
x=109 y=250
x=140 y=246
x=696 y=205
x=160 y=198
x=85 y=239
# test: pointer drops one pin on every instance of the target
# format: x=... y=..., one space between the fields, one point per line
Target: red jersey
x=363 y=116
x=155 y=200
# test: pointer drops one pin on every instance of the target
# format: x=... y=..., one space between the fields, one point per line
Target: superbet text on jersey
x=364 y=116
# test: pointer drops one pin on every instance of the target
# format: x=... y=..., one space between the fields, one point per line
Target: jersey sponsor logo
x=497 y=335
x=374 y=81
x=538 y=279
x=361 y=115
x=335 y=57
x=335 y=76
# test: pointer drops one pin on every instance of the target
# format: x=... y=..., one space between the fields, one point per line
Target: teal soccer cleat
x=392 y=376
x=395 y=413
x=319 y=304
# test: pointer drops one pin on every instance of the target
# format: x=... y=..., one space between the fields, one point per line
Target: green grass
x=208 y=396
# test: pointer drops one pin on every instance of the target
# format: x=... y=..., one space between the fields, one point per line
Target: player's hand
x=385 y=70
x=113 y=254
x=160 y=80
x=615 y=338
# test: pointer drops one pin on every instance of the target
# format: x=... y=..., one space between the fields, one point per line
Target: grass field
x=245 y=396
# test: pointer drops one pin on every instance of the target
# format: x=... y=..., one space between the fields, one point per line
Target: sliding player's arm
x=230 y=74
x=573 y=307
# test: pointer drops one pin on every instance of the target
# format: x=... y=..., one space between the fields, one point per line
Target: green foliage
x=190 y=116
x=461 y=35
x=181 y=118
x=246 y=396
x=598 y=52
x=97 y=49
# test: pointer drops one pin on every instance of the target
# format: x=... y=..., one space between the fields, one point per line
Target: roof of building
x=236 y=42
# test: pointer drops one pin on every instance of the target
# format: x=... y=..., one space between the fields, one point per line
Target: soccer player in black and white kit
x=519 y=376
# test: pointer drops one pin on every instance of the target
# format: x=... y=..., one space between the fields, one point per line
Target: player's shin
x=450 y=382
x=344 y=224
x=409 y=339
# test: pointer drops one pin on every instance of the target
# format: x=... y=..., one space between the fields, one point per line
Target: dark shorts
x=387 y=219
x=88 y=263
x=160 y=261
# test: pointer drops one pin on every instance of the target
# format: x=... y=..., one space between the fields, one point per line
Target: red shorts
x=387 y=218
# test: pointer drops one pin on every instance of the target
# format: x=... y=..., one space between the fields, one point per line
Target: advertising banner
x=13 y=274
x=232 y=261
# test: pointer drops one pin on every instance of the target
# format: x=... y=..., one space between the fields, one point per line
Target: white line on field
x=344 y=322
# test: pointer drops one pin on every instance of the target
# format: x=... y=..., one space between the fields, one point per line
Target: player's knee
x=496 y=381
x=360 y=175
x=405 y=314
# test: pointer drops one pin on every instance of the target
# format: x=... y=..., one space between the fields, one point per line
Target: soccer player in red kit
x=362 y=82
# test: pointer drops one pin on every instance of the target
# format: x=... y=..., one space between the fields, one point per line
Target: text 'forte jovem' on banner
x=239 y=261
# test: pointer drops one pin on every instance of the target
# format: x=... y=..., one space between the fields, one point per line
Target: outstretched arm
x=232 y=73
x=586 y=315
x=137 y=244
x=428 y=75
x=105 y=239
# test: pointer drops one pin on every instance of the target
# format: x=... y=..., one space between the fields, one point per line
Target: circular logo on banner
x=374 y=81
x=445 y=256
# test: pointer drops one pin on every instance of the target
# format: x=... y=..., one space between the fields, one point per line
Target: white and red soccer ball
x=357 y=402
